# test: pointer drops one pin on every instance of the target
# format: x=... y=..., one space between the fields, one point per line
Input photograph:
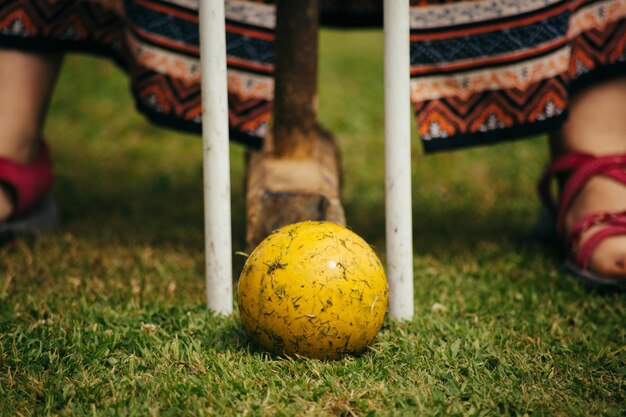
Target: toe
x=609 y=258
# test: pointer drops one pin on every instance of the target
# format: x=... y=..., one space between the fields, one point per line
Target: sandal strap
x=583 y=254
x=582 y=168
x=562 y=164
x=596 y=219
x=29 y=182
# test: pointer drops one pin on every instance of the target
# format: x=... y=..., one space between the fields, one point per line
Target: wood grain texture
x=295 y=102
x=283 y=191
x=297 y=175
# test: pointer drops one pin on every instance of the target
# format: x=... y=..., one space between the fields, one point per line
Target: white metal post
x=217 y=219
x=398 y=160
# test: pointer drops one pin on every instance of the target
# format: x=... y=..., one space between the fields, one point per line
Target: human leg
x=597 y=126
x=26 y=84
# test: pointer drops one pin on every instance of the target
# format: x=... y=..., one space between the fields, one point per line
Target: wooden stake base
x=282 y=191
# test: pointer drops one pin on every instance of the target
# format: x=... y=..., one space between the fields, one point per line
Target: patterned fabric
x=488 y=70
x=482 y=70
x=157 y=42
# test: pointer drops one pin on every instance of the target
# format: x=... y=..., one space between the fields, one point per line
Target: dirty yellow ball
x=313 y=289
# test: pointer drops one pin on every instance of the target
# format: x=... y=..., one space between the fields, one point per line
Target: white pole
x=398 y=160
x=217 y=220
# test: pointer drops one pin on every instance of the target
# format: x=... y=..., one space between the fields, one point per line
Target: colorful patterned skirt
x=482 y=71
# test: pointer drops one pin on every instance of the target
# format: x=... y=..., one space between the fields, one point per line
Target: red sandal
x=30 y=185
x=580 y=168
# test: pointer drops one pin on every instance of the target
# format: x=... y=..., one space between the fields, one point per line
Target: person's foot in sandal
x=26 y=84
x=25 y=198
x=597 y=126
x=22 y=152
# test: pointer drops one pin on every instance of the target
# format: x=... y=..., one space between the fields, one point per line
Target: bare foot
x=24 y=154
x=597 y=126
x=26 y=83
x=599 y=195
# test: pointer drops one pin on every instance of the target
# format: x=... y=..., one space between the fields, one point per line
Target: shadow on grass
x=166 y=208
x=158 y=208
x=442 y=229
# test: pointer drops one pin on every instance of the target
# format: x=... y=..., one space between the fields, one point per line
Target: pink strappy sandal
x=580 y=168
x=30 y=185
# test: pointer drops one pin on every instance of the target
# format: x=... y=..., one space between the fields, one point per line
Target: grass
x=106 y=316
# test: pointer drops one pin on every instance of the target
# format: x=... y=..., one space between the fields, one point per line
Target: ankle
x=23 y=148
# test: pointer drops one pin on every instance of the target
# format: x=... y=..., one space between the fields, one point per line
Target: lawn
x=106 y=316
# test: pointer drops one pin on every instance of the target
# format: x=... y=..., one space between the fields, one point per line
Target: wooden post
x=297 y=175
x=295 y=90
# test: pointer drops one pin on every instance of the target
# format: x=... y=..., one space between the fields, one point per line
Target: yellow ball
x=313 y=289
